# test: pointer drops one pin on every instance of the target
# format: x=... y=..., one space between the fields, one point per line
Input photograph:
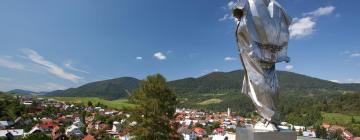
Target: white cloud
x=289 y=67
x=302 y=27
x=139 y=58
x=216 y=70
x=71 y=67
x=50 y=66
x=305 y=26
x=231 y=4
x=225 y=17
x=11 y=64
x=229 y=58
x=322 y=11
x=159 y=56
x=335 y=81
x=355 y=54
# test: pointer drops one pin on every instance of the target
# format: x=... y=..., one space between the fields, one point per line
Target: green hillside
x=108 y=89
x=223 y=85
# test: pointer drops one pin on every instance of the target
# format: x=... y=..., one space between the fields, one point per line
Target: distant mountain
x=20 y=91
x=219 y=90
x=108 y=89
x=217 y=84
x=289 y=81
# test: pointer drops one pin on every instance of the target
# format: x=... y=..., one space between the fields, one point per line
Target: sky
x=49 y=45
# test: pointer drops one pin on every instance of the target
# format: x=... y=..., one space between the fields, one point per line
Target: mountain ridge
x=213 y=82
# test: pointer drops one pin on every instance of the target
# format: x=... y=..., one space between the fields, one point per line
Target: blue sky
x=48 y=45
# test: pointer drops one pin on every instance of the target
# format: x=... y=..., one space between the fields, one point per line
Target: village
x=60 y=120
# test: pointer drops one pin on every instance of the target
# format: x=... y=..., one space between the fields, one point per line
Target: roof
x=219 y=130
x=14 y=132
x=6 y=123
x=88 y=137
x=348 y=134
x=326 y=125
x=199 y=130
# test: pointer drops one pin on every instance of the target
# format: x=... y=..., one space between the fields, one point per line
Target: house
x=89 y=137
x=57 y=135
x=78 y=122
x=200 y=132
x=188 y=134
x=219 y=131
x=99 y=125
x=116 y=127
x=299 y=128
x=4 y=124
x=73 y=131
x=347 y=135
x=11 y=133
x=326 y=126
x=309 y=133
x=46 y=125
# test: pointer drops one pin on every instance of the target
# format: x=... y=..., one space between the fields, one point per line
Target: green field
x=115 y=104
x=336 y=118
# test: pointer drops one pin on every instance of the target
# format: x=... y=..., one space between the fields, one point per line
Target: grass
x=210 y=101
x=336 y=118
x=115 y=104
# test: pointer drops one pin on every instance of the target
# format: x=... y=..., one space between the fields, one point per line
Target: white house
x=116 y=127
x=311 y=134
x=74 y=131
x=14 y=132
x=298 y=128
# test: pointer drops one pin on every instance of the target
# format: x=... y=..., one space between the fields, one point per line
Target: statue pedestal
x=251 y=134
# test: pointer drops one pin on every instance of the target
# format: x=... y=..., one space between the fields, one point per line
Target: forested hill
x=217 y=82
x=232 y=81
x=108 y=89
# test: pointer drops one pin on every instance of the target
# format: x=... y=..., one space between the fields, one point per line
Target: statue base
x=250 y=133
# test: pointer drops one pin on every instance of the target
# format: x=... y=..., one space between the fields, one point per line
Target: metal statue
x=262 y=38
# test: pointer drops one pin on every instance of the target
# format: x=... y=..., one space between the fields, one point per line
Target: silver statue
x=262 y=37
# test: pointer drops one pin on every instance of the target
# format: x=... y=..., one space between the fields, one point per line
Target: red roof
x=46 y=125
x=220 y=130
x=199 y=130
x=326 y=125
x=88 y=137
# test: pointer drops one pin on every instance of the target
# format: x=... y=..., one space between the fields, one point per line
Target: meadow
x=337 y=118
x=114 y=104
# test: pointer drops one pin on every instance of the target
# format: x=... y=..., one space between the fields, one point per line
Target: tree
x=155 y=108
x=37 y=136
x=90 y=104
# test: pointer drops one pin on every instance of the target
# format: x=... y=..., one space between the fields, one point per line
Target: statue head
x=238 y=9
x=238 y=13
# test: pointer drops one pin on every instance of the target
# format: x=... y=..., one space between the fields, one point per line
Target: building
x=11 y=133
x=73 y=131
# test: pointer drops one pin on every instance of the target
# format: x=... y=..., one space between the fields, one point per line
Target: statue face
x=238 y=13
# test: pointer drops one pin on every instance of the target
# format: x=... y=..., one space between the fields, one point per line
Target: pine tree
x=155 y=108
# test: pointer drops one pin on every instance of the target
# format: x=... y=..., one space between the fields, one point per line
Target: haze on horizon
x=50 y=45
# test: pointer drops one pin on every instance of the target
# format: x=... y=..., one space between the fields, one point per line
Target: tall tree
x=155 y=109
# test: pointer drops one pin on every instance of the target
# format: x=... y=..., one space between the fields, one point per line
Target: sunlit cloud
x=160 y=56
x=70 y=66
x=50 y=66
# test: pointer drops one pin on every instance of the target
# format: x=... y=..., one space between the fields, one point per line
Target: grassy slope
x=115 y=104
x=336 y=118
